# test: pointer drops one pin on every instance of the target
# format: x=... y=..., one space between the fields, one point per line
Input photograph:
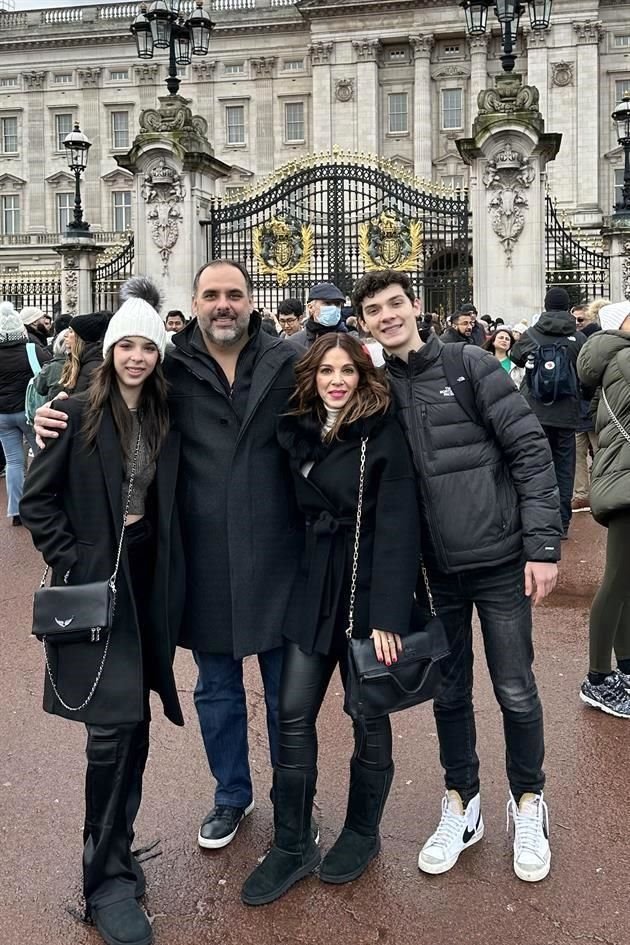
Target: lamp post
x=508 y=13
x=161 y=25
x=621 y=117
x=77 y=146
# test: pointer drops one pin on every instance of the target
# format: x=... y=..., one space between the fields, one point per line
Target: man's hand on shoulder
x=540 y=579
x=48 y=422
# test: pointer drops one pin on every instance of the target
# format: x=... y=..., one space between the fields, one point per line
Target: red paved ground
x=193 y=896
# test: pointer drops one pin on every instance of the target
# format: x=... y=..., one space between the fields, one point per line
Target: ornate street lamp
x=621 y=117
x=508 y=13
x=77 y=146
x=161 y=25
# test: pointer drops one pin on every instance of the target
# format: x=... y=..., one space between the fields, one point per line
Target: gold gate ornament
x=283 y=246
x=390 y=241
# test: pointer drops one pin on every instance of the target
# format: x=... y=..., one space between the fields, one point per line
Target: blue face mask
x=329 y=315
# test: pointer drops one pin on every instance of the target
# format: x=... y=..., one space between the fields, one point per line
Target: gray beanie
x=11 y=325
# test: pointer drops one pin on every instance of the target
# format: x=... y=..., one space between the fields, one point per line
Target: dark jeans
x=116 y=759
x=222 y=710
x=610 y=612
x=305 y=679
x=562 y=443
x=506 y=626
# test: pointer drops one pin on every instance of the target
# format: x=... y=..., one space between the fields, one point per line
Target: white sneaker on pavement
x=457 y=830
x=532 y=855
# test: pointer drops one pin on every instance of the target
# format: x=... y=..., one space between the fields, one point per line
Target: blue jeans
x=13 y=429
x=222 y=710
x=506 y=624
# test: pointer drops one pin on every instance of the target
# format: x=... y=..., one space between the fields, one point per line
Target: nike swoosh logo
x=468 y=835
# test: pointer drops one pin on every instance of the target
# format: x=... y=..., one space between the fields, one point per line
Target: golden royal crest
x=283 y=246
x=390 y=241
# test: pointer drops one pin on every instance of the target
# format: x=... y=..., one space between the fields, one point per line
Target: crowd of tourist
x=357 y=419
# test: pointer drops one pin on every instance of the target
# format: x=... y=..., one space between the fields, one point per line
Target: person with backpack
x=490 y=539
x=549 y=351
x=20 y=359
x=46 y=384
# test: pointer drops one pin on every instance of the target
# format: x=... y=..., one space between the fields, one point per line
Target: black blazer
x=72 y=505
x=390 y=531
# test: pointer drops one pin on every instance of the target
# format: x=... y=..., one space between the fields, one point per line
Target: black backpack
x=550 y=372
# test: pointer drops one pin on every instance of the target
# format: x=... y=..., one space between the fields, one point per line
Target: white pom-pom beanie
x=612 y=317
x=135 y=317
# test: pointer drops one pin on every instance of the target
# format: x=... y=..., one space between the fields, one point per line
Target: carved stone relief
x=263 y=67
x=89 y=77
x=507 y=177
x=626 y=270
x=34 y=80
x=204 y=71
x=344 y=90
x=366 y=49
x=163 y=191
x=320 y=53
x=508 y=96
x=422 y=44
x=71 y=294
x=589 y=31
x=562 y=73
x=146 y=75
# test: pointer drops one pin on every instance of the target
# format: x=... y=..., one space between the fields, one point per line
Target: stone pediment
x=401 y=161
x=11 y=182
x=614 y=154
x=239 y=175
x=118 y=176
x=61 y=178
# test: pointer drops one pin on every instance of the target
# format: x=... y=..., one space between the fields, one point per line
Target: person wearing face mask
x=324 y=315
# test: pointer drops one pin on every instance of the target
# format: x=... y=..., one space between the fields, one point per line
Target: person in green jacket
x=604 y=364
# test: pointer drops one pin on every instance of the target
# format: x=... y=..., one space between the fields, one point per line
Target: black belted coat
x=389 y=547
x=72 y=505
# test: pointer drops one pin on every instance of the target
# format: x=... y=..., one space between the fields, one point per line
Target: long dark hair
x=152 y=408
x=371 y=396
x=489 y=344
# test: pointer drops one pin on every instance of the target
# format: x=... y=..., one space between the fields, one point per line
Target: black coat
x=241 y=528
x=550 y=327
x=488 y=490
x=390 y=531
x=15 y=373
x=72 y=505
x=312 y=331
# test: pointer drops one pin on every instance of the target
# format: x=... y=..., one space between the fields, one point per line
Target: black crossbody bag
x=374 y=689
x=80 y=613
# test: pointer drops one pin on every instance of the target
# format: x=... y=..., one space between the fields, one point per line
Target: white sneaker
x=457 y=830
x=532 y=856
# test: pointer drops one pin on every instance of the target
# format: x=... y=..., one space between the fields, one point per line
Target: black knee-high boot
x=294 y=853
x=359 y=841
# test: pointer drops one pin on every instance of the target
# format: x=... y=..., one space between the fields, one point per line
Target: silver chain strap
x=112 y=584
x=428 y=589
x=614 y=419
x=357 y=535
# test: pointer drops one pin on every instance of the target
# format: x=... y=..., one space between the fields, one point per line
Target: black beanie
x=91 y=328
x=557 y=300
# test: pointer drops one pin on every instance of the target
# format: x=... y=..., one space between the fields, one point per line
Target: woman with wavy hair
x=340 y=408
x=105 y=486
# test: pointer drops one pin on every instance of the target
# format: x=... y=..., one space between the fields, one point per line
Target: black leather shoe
x=16 y=520
x=221 y=826
x=122 y=923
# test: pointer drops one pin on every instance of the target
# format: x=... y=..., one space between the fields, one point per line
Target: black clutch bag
x=374 y=689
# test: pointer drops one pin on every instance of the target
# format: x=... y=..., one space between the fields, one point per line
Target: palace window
x=9 y=135
x=456 y=181
x=452 y=116
x=10 y=214
x=398 y=113
x=235 y=124
x=62 y=78
x=622 y=87
x=119 y=75
x=63 y=126
x=121 y=210
x=120 y=130
x=293 y=65
x=622 y=40
x=294 y=121
x=234 y=68
x=9 y=82
x=65 y=207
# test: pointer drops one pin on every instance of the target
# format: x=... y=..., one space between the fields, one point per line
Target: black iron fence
x=41 y=287
x=108 y=277
x=333 y=217
x=582 y=271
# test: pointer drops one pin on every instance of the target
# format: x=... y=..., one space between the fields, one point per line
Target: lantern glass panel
x=161 y=32
x=540 y=14
x=200 y=26
x=182 y=47
x=505 y=10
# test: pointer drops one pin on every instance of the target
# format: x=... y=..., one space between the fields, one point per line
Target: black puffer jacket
x=549 y=329
x=15 y=373
x=488 y=493
x=312 y=331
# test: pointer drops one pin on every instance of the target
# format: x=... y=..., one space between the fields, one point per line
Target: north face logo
x=447 y=392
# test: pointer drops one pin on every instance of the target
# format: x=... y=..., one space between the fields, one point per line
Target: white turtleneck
x=331 y=418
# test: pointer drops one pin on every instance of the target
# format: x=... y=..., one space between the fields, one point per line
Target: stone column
x=537 y=68
x=587 y=150
x=616 y=235
x=322 y=97
x=478 y=73
x=204 y=76
x=78 y=258
x=367 y=93
x=175 y=176
x=34 y=83
x=89 y=82
x=146 y=80
x=422 y=45
x=263 y=72
x=507 y=154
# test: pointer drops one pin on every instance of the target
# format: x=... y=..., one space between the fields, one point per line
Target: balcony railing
x=52 y=239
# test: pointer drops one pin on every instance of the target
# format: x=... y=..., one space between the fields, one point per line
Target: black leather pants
x=304 y=682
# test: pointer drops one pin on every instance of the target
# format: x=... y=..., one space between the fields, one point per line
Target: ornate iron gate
x=40 y=287
x=331 y=217
x=582 y=271
x=116 y=266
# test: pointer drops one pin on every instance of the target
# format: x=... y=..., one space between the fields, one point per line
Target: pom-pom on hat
x=91 y=327
x=612 y=317
x=137 y=316
x=11 y=325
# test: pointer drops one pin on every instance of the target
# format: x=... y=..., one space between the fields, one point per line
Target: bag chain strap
x=357 y=535
x=614 y=419
x=112 y=584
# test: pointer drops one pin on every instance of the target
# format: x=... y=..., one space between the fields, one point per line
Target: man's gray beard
x=225 y=342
